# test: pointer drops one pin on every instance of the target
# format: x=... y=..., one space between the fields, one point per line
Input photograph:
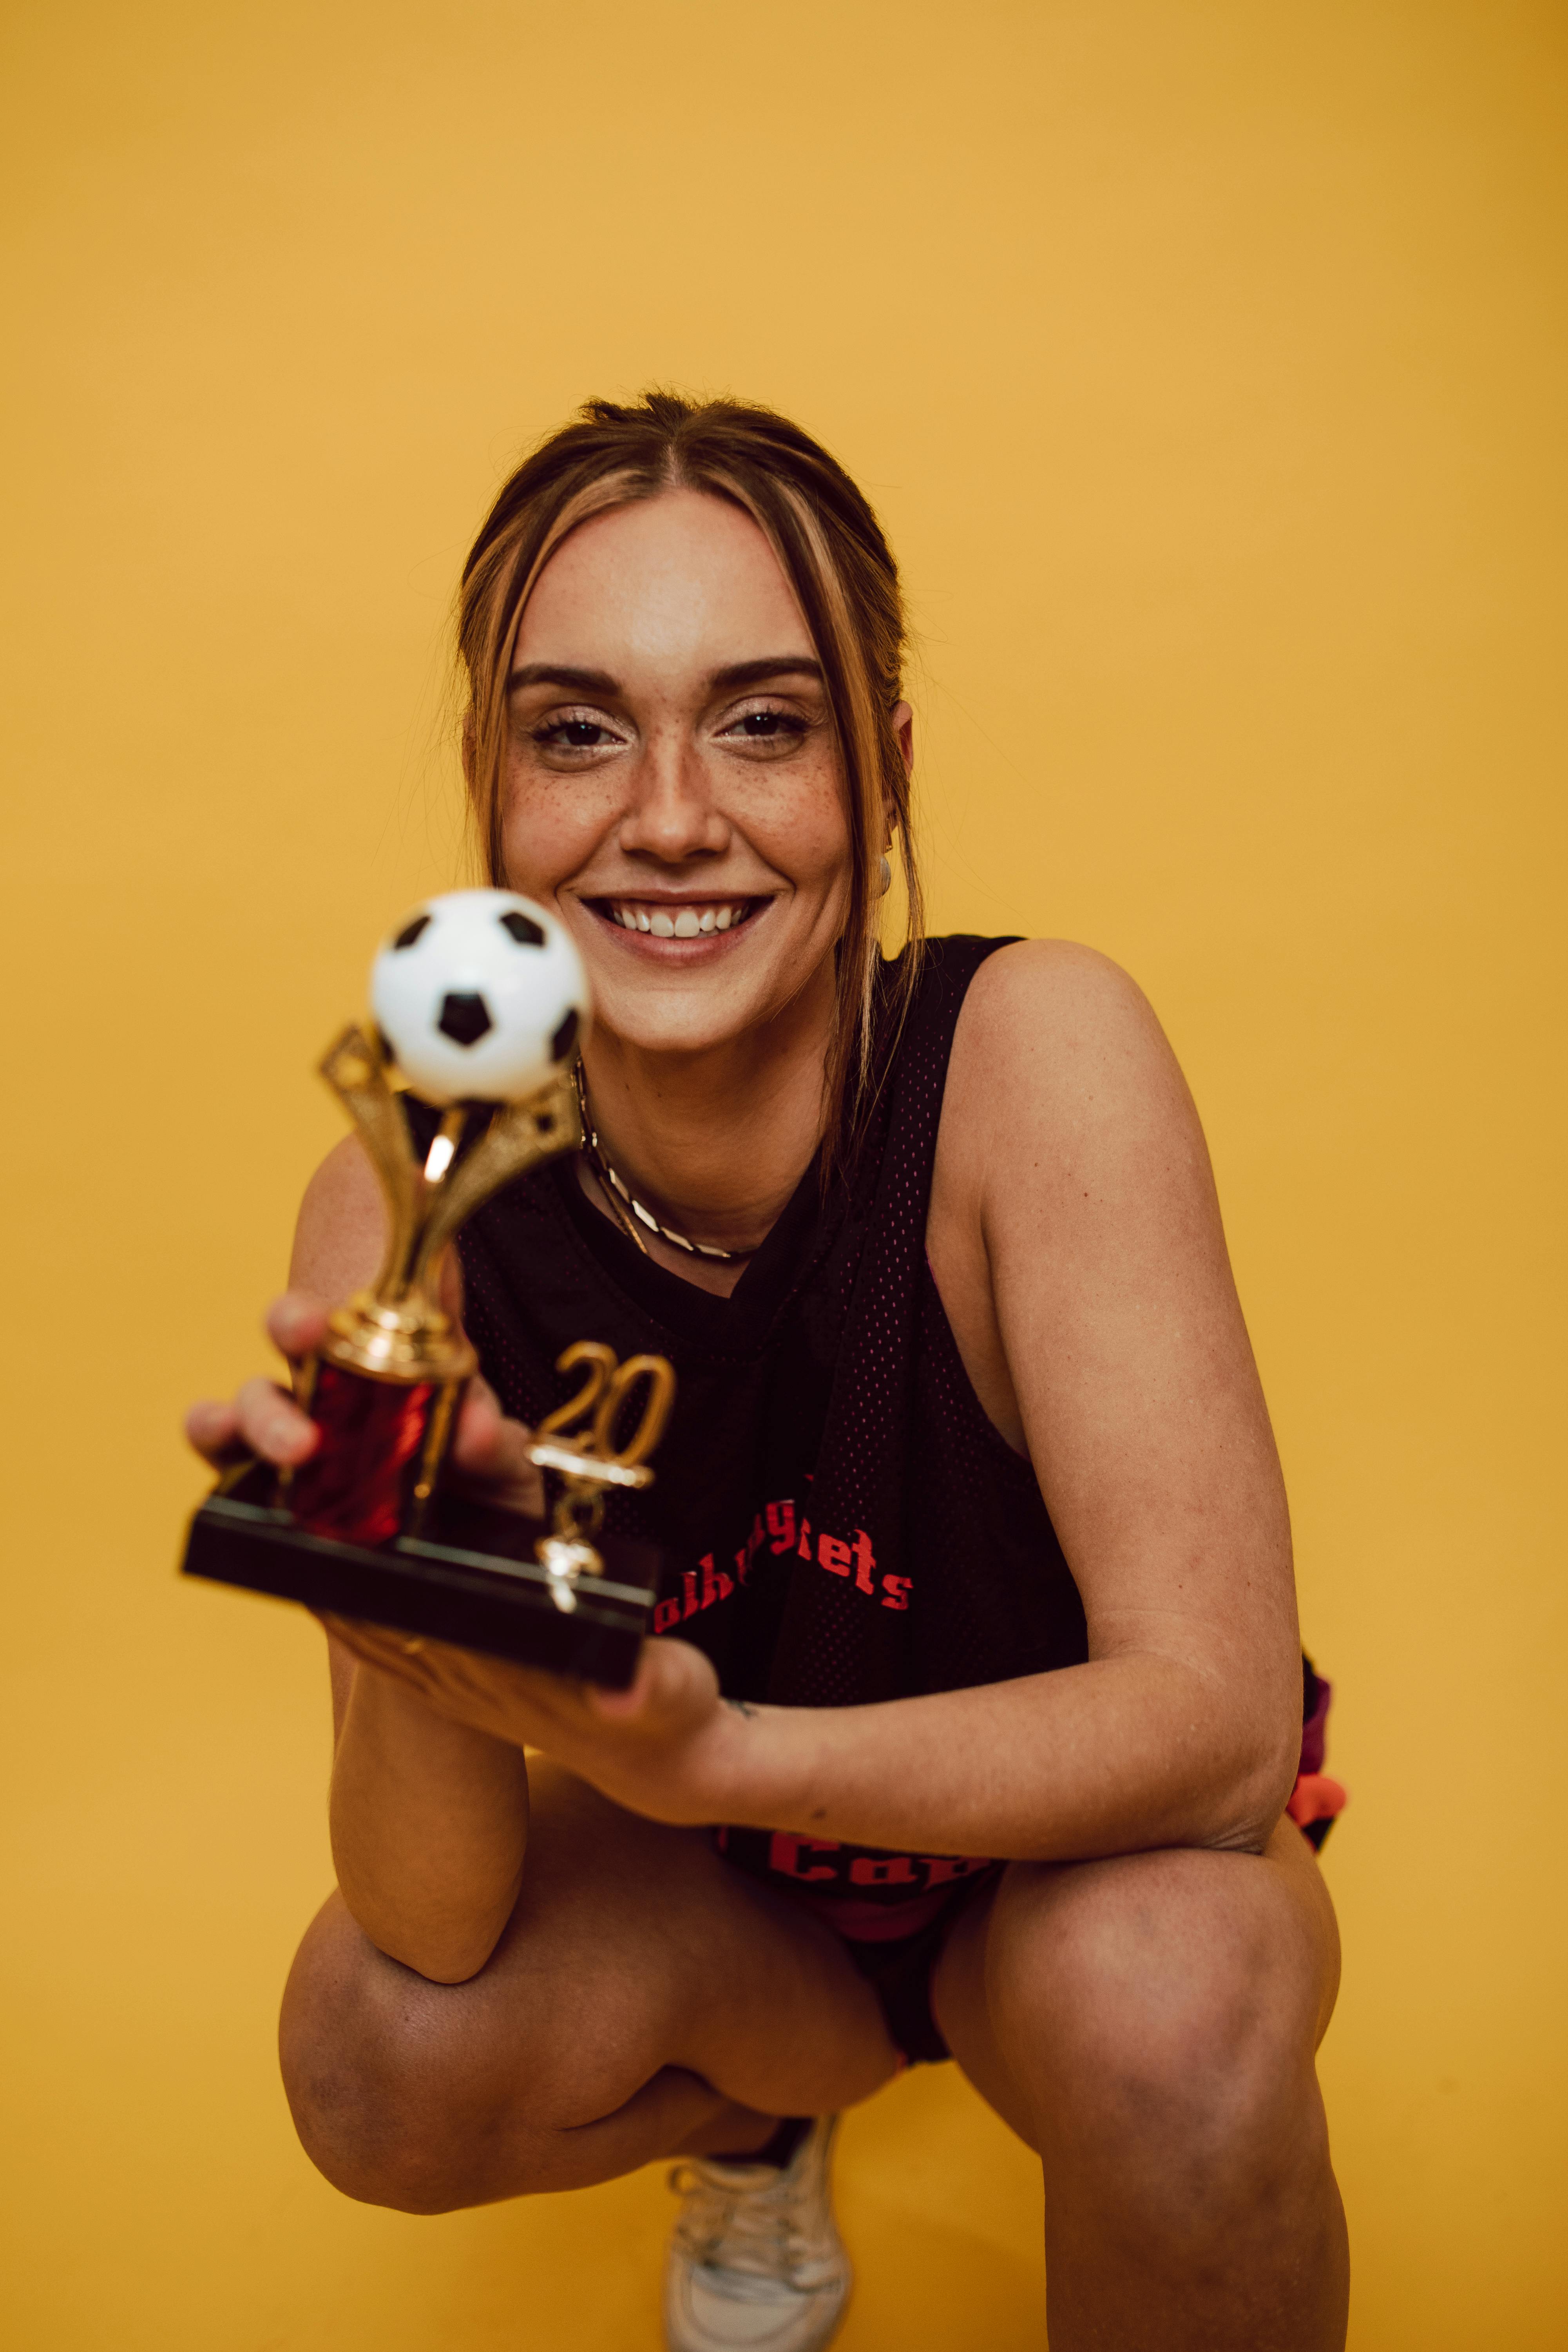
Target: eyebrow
x=574 y=681
x=737 y=676
x=757 y=673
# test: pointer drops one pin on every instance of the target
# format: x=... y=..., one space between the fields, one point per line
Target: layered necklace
x=628 y=1210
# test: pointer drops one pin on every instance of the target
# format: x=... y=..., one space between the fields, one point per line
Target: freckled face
x=673 y=788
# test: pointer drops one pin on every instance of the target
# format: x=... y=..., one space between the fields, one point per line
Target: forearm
x=429 y=1826
x=1118 y=1755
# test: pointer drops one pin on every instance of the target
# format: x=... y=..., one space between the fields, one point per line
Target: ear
x=904 y=729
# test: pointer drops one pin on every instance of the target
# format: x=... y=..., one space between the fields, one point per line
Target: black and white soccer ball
x=481 y=996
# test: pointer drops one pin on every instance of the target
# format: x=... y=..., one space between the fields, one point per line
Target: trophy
x=479 y=1005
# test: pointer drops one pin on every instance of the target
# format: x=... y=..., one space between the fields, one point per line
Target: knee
x=391 y=2101
x=1161 y=2010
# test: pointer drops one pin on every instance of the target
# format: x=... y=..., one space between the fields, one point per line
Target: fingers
x=479 y=1426
x=296 y=1323
x=485 y=1441
x=261 y=1421
x=463 y=1686
x=675 y=1685
x=271 y=1425
x=261 y=1418
x=489 y=1450
x=399 y=1654
x=212 y=1427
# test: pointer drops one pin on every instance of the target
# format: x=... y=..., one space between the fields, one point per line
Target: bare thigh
x=646 y=1999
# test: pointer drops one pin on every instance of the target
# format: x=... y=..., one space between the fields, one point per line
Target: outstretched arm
x=429 y=1814
x=1077 y=1241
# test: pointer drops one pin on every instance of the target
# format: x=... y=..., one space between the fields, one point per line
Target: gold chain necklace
x=623 y=1201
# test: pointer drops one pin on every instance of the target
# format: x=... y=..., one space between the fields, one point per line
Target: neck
x=715 y=1142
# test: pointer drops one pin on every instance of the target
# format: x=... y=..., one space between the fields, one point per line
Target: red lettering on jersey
x=896 y=1592
x=688 y=1580
x=716 y=1584
x=941 y=1867
x=785 y=1852
x=667 y=1614
x=781 y=1524
x=835 y=1556
x=865 y=1561
x=896 y=1870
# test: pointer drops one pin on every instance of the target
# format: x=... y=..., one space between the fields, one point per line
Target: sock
x=779 y=2149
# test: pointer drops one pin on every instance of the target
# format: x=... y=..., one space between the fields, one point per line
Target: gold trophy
x=480 y=1003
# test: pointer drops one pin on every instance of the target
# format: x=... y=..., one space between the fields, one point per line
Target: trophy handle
x=517 y=1139
x=423 y=1210
x=353 y=1067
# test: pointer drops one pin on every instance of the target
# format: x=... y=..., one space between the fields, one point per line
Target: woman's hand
x=489 y=1458
x=658 y=1749
x=665 y=1748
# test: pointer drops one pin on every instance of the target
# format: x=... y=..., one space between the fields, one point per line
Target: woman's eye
x=574 y=735
x=766 y=726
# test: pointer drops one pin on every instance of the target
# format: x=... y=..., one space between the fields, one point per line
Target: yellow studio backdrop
x=1206 y=364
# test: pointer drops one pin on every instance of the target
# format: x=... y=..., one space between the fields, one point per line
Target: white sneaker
x=756 y=2262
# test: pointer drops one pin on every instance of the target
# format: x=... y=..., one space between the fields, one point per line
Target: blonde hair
x=831 y=551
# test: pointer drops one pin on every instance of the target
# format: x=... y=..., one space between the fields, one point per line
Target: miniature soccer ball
x=480 y=996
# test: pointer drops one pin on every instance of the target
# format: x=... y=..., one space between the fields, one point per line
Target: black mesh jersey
x=839 y=1519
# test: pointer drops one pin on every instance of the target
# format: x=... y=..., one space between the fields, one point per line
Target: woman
x=935 y=1249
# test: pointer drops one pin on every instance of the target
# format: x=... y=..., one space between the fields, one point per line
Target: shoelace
x=756 y=2231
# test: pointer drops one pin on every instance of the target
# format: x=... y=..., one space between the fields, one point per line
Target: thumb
x=673 y=1689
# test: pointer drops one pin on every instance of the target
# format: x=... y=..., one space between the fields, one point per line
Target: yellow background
x=1207 y=363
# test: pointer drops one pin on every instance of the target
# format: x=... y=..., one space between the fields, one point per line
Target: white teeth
x=686 y=923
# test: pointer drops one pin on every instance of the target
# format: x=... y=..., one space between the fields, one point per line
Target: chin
x=664 y=1020
x=644 y=1030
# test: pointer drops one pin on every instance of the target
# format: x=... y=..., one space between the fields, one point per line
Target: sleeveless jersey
x=840 y=1521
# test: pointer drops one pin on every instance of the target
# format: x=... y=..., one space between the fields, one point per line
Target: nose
x=672 y=815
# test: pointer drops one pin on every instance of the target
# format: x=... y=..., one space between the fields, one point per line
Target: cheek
x=550 y=825
x=802 y=828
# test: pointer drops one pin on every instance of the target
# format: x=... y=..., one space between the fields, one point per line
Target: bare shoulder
x=1039 y=974
x=1055 y=1039
x=342 y=1227
x=1071 y=1180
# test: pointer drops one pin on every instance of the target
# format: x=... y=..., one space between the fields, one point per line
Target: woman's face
x=672 y=786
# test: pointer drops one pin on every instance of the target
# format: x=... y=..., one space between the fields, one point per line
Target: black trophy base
x=470 y=1577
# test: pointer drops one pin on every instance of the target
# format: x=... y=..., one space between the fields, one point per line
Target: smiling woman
x=832 y=594
x=975 y=1702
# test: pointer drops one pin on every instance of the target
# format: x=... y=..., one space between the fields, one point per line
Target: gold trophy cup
x=480 y=1003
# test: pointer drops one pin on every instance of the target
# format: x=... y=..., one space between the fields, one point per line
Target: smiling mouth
x=693 y=918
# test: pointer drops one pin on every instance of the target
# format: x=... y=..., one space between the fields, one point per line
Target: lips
x=692 y=919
